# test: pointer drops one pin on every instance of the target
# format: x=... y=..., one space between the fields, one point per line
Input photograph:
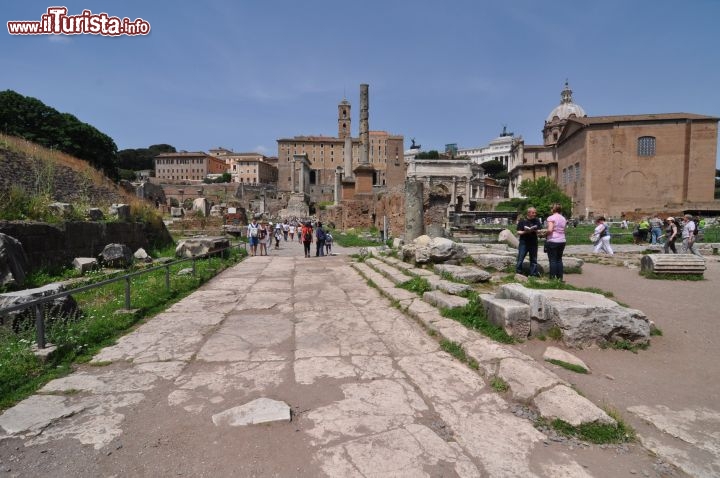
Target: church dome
x=566 y=108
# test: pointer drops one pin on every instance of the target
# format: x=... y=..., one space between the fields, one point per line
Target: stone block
x=587 y=319
x=496 y=261
x=511 y=315
x=526 y=379
x=564 y=403
x=673 y=264
x=85 y=264
x=61 y=208
x=554 y=353
x=120 y=211
x=116 y=255
x=201 y=245
x=444 y=301
x=142 y=256
x=177 y=212
x=261 y=410
x=469 y=274
x=95 y=214
x=13 y=262
x=506 y=236
x=447 y=286
x=60 y=308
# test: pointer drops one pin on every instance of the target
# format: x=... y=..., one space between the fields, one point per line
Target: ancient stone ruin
x=583 y=318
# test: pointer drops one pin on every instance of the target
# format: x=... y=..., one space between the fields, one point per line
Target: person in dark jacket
x=527 y=229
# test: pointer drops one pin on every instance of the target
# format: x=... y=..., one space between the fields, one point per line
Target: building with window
x=611 y=165
x=499 y=149
x=186 y=166
x=325 y=154
x=248 y=168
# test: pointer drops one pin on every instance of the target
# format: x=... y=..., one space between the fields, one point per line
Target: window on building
x=577 y=172
x=570 y=173
x=646 y=146
x=564 y=176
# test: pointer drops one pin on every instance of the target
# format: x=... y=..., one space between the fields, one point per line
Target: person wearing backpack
x=328 y=243
x=320 y=238
x=306 y=234
x=253 y=233
x=689 y=235
x=602 y=230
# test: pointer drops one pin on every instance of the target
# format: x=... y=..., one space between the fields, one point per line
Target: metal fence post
x=39 y=327
x=193 y=266
x=167 y=277
x=127 y=292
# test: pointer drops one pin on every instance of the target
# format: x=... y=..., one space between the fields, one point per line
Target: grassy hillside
x=31 y=177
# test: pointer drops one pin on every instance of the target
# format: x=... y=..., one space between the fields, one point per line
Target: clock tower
x=344 y=119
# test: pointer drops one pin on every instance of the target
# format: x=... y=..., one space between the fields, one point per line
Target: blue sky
x=241 y=74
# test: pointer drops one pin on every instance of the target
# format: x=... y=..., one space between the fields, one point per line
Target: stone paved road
x=371 y=393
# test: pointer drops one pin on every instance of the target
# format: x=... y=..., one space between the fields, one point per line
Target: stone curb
x=529 y=381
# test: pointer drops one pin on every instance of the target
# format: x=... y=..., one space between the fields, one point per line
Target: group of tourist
x=260 y=236
x=529 y=228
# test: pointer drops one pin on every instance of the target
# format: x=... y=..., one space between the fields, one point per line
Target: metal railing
x=37 y=304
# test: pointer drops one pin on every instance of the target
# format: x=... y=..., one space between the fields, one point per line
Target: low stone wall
x=56 y=245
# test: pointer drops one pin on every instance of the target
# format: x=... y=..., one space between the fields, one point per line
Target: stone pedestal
x=364 y=179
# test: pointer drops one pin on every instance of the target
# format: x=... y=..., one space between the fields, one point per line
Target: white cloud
x=261 y=149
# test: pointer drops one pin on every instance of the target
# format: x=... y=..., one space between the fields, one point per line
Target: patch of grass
x=345 y=239
x=21 y=373
x=473 y=316
x=418 y=285
x=569 y=366
x=555 y=333
x=473 y=364
x=686 y=277
x=499 y=385
x=468 y=260
x=360 y=257
x=626 y=345
x=371 y=283
x=596 y=432
x=454 y=349
x=655 y=331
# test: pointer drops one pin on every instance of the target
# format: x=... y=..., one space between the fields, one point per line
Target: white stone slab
x=261 y=410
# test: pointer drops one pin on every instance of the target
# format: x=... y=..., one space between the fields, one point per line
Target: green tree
x=142 y=158
x=432 y=154
x=543 y=193
x=494 y=168
x=31 y=119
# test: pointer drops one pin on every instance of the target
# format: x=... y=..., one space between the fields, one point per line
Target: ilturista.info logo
x=57 y=22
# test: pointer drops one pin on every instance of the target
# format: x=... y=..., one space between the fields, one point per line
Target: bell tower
x=344 y=119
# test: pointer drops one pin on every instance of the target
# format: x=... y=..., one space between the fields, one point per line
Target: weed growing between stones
x=625 y=345
x=21 y=373
x=655 y=331
x=597 y=432
x=473 y=316
x=418 y=285
x=359 y=258
x=499 y=385
x=569 y=366
x=534 y=283
x=555 y=333
x=454 y=349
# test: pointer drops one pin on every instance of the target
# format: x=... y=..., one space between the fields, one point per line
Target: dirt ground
x=680 y=368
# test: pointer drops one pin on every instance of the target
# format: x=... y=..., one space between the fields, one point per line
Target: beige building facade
x=325 y=154
x=185 y=166
x=615 y=165
x=248 y=168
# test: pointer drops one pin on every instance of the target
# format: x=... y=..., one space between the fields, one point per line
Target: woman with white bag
x=602 y=230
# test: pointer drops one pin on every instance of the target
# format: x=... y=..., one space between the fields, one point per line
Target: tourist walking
x=253 y=234
x=688 y=236
x=305 y=235
x=603 y=232
x=328 y=242
x=320 y=240
x=644 y=229
x=655 y=229
x=555 y=242
x=278 y=237
x=671 y=232
x=291 y=231
x=286 y=229
x=527 y=229
x=262 y=238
